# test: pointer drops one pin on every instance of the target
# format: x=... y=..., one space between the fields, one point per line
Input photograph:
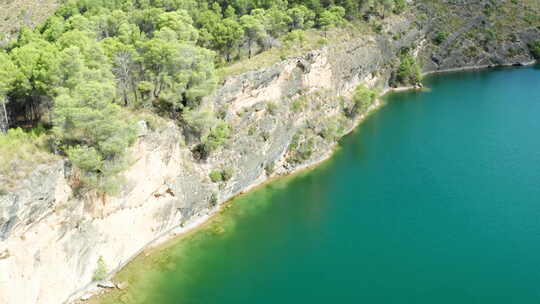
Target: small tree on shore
x=363 y=98
x=535 y=49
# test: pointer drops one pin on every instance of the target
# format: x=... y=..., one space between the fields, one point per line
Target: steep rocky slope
x=17 y=13
x=284 y=118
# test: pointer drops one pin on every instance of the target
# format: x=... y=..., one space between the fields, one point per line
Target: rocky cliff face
x=284 y=118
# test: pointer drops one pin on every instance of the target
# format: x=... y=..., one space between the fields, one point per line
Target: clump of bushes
x=95 y=135
x=217 y=137
x=362 y=99
x=399 y=6
x=332 y=129
x=535 y=49
x=300 y=149
x=409 y=71
x=213 y=132
x=223 y=175
x=440 y=37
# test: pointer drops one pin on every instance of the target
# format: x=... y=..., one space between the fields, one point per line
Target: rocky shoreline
x=99 y=288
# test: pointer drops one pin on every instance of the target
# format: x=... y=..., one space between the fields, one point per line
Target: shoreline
x=93 y=291
x=481 y=67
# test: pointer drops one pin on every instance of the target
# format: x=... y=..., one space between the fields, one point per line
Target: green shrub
x=85 y=158
x=216 y=176
x=535 y=49
x=217 y=137
x=271 y=107
x=332 y=129
x=300 y=151
x=363 y=98
x=440 y=37
x=399 y=6
x=409 y=72
x=227 y=174
x=101 y=270
x=94 y=133
x=221 y=175
x=200 y=120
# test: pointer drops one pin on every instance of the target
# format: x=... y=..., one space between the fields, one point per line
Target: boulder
x=106 y=284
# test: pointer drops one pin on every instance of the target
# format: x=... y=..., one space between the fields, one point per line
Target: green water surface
x=434 y=199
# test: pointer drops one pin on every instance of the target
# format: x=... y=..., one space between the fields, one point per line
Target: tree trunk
x=4 y=120
x=126 y=101
x=134 y=88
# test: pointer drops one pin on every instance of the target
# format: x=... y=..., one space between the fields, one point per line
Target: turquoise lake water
x=434 y=199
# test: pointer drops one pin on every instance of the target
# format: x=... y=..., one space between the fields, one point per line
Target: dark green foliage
x=223 y=175
x=76 y=72
x=300 y=149
x=332 y=17
x=535 y=49
x=217 y=137
x=213 y=132
x=400 y=6
x=215 y=176
x=90 y=129
x=362 y=99
x=332 y=129
x=158 y=51
x=227 y=174
x=440 y=37
x=7 y=80
x=409 y=72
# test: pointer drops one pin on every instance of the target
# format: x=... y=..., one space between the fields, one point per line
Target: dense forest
x=78 y=76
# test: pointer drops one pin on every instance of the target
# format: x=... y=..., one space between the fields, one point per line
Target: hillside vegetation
x=86 y=73
x=80 y=71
